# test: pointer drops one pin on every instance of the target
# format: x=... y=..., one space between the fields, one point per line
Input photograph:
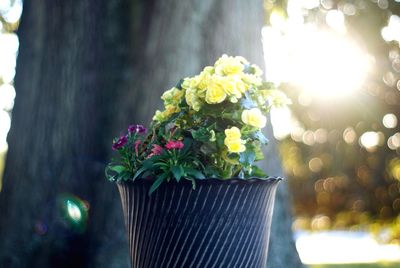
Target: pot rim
x=234 y=180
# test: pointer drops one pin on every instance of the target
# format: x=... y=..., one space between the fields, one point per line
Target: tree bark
x=85 y=71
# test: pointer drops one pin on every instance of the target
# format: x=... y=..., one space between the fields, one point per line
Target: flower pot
x=223 y=223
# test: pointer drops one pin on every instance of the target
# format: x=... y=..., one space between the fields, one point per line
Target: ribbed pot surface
x=220 y=224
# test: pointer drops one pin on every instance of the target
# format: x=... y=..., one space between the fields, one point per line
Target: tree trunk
x=84 y=72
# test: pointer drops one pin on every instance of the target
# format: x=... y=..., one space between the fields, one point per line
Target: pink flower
x=137 y=143
x=174 y=145
x=156 y=150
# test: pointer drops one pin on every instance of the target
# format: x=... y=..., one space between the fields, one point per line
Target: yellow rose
x=204 y=81
x=233 y=141
x=164 y=115
x=186 y=83
x=241 y=86
x=192 y=99
x=172 y=96
x=236 y=146
x=171 y=109
x=208 y=70
x=252 y=79
x=233 y=133
x=254 y=117
x=199 y=83
x=215 y=93
x=230 y=86
x=159 y=116
x=229 y=65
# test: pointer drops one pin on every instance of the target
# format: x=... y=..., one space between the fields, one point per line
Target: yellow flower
x=159 y=116
x=192 y=99
x=208 y=70
x=230 y=86
x=171 y=109
x=275 y=98
x=240 y=85
x=215 y=92
x=204 y=81
x=233 y=141
x=173 y=96
x=229 y=65
x=252 y=79
x=186 y=83
x=164 y=115
x=254 y=117
x=236 y=146
x=233 y=133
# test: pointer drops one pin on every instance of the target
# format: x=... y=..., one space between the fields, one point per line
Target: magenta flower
x=137 y=129
x=174 y=145
x=120 y=143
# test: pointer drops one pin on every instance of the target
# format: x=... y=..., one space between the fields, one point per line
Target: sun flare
x=323 y=64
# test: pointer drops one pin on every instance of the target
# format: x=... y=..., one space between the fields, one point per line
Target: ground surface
x=369 y=265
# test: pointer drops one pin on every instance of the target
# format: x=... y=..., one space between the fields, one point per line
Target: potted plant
x=191 y=193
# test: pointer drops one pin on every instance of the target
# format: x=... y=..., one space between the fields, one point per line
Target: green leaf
x=247 y=157
x=193 y=183
x=258 y=172
x=146 y=165
x=179 y=84
x=160 y=179
x=187 y=144
x=220 y=139
x=119 y=169
x=201 y=134
x=195 y=173
x=259 y=154
x=177 y=171
x=211 y=172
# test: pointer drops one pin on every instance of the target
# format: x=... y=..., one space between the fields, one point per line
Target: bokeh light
x=389 y=121
x=370 y=140
x=74 y=212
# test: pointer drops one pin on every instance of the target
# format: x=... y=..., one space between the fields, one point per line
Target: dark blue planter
x=223 y=223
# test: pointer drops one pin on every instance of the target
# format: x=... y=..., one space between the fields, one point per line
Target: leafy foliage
x=210 y=128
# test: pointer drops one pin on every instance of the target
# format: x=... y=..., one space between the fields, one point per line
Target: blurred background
x=339 y=61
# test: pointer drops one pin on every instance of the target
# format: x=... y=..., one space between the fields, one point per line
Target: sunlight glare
x=282 y=122
x=329 y=65
x=343 y=247
x=7 y=96
x=5 y=123
x=335 y=19
x=323 y=63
